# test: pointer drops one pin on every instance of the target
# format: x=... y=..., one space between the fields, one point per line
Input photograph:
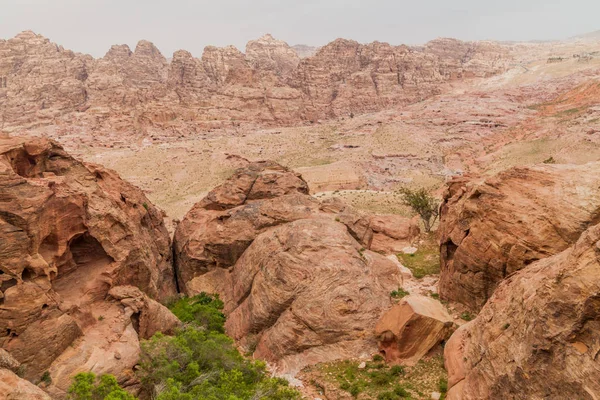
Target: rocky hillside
x=43 y=83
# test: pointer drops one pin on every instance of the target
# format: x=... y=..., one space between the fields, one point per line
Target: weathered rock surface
x=298 y=281
x=492 y=228
x=71 y=232
x=411 y=328
x=8 y=362
x=537 y=336
x=14 y=388
x=219 y=228
x=139 y=90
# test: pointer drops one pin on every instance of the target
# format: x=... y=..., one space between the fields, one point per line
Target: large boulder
x=411 y=328
x=537 y=336
x=299 y=282
x=493 y=227
x=71 y=232
x=304 y=292
x=219 y=228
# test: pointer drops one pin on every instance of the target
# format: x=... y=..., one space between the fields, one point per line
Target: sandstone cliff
x=537 y=337
x=42 y=83
x=492 y=228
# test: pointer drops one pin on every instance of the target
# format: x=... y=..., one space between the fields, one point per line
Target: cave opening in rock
x=85 y=249
x=7 y=284
x=27 y=274
x=23 y=164
x=79 y=280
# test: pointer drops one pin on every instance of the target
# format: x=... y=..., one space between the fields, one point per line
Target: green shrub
x=85 y=386
x=203 y=310
x=401 y=392
x=400 y=293
x=354 y=390
x=46 y=378
x=443 y=385
x=397 y=370
x=201 y=362
x=381 y=378
x=467 y=316
x=423 y=204
x=377 y=357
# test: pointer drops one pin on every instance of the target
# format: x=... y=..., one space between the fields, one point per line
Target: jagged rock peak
x=148 y=49
x=118 y=51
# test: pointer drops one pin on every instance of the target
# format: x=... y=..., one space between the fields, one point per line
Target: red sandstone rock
x=491 y=228
x=411 y=328
x=71 y=232
x=14 y=388
x=536 y=337
x=304 y=292
x=297 y=278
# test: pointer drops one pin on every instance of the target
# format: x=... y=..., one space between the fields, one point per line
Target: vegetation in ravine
x=198 y=363
x=426 y=260
x=378 y=381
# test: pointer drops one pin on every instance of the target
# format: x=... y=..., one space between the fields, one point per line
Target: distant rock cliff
x=42 y=83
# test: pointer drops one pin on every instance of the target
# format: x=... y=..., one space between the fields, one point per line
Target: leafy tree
x=423 y=203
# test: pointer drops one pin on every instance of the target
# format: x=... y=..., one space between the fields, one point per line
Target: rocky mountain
x=42 y=83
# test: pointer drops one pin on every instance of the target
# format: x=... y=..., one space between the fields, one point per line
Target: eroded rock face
x=219 y=228
x=71 y=232
x=492 y=228
x=304 y=293
x=298 y=281
x=411 y=328
x=136 y=91
x=14 y=388
x=537 y=336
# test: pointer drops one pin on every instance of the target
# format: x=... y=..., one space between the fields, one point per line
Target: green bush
x=201 y=362
x=400 y=293
x=85 y=386
x=443 y=385
x=467 y=316
x=423 y=203
x=198 y=363
x=397 y=370
x=203 y=310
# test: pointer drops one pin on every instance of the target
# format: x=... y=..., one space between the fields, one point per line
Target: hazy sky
x=92 y=26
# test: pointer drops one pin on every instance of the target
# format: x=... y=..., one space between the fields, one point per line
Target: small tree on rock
x=423 y=203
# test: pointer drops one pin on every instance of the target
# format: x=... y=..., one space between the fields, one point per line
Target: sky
x=92 y=26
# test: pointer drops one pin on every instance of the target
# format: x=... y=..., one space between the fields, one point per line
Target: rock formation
x=299 y=282
x=537 y=336
x=14 y=388
x=139 y=90
x=71 y=232
x=411 y=328
x=491 y=228
x=304 y=293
